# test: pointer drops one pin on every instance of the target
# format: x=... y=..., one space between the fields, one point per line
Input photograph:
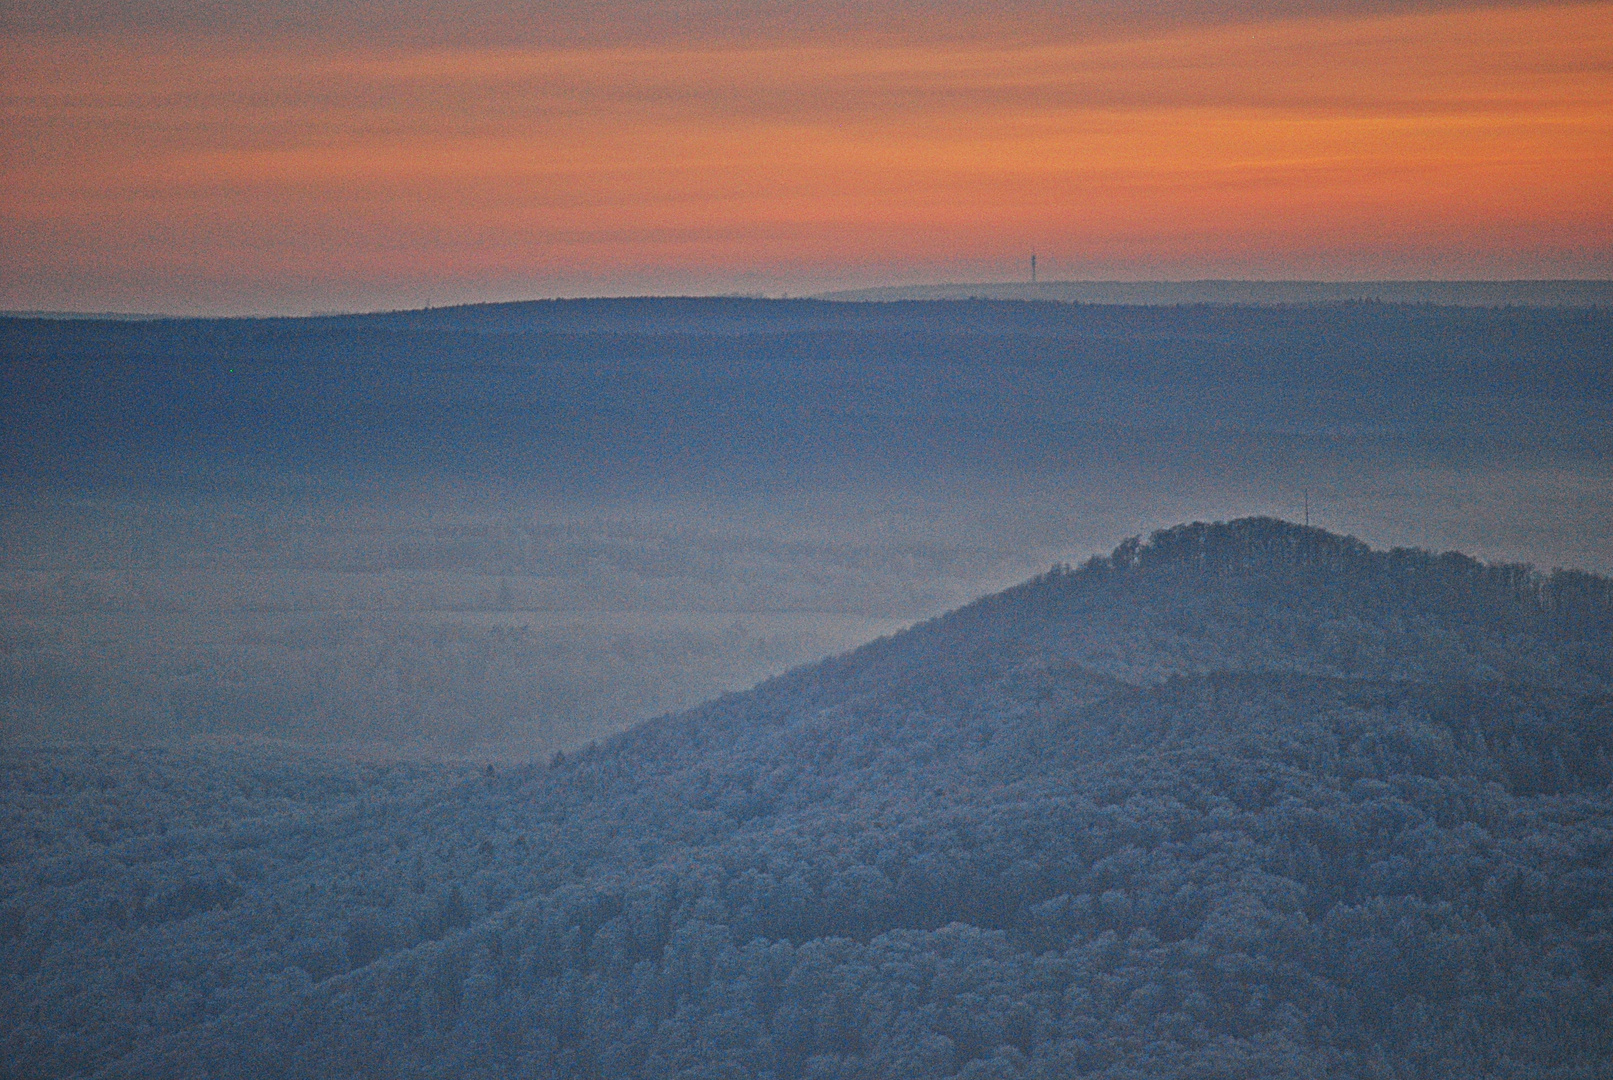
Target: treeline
x=1290 y=565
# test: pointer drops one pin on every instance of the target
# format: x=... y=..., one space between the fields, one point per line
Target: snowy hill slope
x=1246 y=799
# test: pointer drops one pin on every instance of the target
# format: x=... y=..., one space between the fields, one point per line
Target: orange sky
x=185 y=172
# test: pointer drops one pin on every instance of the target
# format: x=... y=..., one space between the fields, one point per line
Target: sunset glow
x=197 y=174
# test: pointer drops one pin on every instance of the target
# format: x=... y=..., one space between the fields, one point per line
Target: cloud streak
x=501 y=23
x=1445 y=143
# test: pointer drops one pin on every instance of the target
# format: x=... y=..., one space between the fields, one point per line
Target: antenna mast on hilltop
x=1033 y=268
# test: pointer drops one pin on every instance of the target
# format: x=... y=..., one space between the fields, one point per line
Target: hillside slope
x=1246 y=799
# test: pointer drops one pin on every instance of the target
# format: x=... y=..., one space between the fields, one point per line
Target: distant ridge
x=88 y=316
x=1564 y=293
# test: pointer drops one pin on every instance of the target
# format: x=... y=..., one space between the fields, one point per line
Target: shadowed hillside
x=1244 y=799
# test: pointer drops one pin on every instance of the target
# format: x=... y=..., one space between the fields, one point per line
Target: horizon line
x=871 y=294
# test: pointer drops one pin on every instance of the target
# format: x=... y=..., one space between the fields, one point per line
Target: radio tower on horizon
x=1033 y=268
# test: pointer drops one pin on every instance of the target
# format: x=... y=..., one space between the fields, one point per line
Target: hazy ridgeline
x=1527 y=293
x=494 y=531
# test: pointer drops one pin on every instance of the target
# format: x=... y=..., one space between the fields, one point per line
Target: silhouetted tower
x=1033 y=268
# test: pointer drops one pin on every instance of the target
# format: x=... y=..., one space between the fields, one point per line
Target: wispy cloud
x=1454 y=142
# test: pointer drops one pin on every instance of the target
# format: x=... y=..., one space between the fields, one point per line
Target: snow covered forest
x=1244 y=799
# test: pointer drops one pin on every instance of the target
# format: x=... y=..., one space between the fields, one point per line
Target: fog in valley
x=537 y=524
x=502 y=629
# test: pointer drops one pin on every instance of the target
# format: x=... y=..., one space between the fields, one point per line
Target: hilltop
x=1242 y=799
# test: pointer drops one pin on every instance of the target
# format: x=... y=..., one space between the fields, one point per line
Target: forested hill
x=1245 y=799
